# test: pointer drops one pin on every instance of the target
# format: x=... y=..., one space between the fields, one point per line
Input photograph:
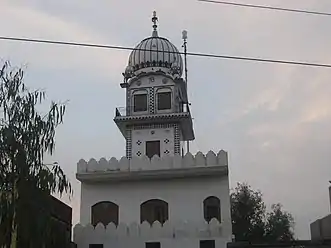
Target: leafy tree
x=251 y=222
x=248 y=213
x=26 y=136
x=279 y=225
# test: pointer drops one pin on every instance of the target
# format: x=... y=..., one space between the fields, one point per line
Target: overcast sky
x=274 y=120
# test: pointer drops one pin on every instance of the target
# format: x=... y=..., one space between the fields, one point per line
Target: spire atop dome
x=154 y=20
x=154 y=53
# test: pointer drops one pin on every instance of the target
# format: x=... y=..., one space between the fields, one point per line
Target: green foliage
x=279 y=224
x=248 y=213
x=251 y=222
x=25 y=137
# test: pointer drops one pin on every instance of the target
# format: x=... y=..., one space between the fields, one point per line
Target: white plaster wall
x=160 y=134
x=165 y=243
x=184 y=196
x=152 y=81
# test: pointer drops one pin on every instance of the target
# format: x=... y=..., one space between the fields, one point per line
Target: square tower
x=157 y=118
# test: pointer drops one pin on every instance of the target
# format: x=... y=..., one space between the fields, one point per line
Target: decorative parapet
x=156 y=163
x=83 y=234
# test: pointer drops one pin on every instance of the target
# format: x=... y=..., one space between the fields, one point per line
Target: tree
x=279 y=225
x=26 y=136
x=251 y=222
x=248 y=213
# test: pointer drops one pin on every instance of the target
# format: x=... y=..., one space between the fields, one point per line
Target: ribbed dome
x=155 y=52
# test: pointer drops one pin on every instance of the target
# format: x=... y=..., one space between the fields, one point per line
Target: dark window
x=96 y=246
x=140 y=102
x=207 y=243
x=212 y=208
x=160 y=213
x=212 y=212
x=164 y=100
x=104 y=212
x=154 y=210
x=153 y=245
x=152 y=148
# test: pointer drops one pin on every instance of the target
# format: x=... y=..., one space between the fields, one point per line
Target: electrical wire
x=267 y=7
x=286 y=62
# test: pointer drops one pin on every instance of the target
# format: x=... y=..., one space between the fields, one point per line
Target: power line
x=188 y=53
x=267 y=7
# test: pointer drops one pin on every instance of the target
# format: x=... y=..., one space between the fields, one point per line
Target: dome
x=155 y=52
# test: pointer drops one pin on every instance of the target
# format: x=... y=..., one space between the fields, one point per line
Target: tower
x=157 y=118
x=155 y=196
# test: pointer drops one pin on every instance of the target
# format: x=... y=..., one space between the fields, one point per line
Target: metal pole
x=184 y=33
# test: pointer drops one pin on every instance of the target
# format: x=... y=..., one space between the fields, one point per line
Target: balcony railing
x=121 y=111
x=128 y=111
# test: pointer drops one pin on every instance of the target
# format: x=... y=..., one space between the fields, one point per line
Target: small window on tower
x=152 y=148
x=163 y=100
x=140 y=102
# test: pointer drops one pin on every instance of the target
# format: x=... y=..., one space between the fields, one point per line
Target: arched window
x=104 y=212
x=212 y=208
x=154 y=210
x=163 y=97
x=140 y=101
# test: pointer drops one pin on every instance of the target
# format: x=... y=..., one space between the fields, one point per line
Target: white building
x=155 y=196
x=321 y=228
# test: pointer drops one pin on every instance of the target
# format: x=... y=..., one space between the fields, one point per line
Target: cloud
x=283 y=150
x=29 y=22
x=273 y=119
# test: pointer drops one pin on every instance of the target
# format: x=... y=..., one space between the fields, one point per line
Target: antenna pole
x=184 y=33
x=185 y=59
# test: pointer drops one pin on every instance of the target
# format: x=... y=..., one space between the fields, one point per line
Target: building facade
x=156 y=195
x=321 y=228
x=48 y=222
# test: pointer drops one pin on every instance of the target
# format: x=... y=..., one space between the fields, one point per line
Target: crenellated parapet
x=177 y=230
x=156 y=163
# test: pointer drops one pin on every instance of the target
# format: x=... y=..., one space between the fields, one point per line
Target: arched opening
x=212 y=208
x=139 y=101
x=104 y=212
x=154 y=210
x=164 y=99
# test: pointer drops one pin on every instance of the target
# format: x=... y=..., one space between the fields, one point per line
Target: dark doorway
x=152 y=148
